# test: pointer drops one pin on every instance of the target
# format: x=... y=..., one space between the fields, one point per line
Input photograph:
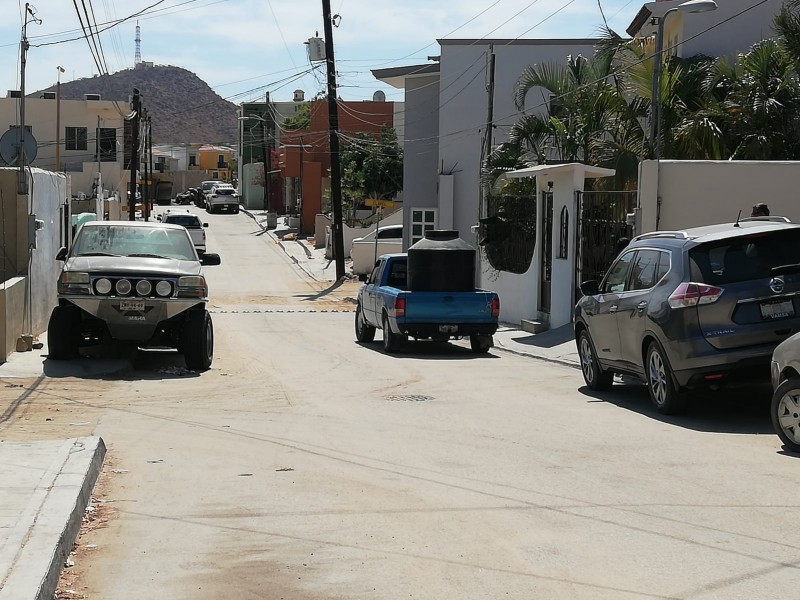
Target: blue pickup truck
x=385 y=302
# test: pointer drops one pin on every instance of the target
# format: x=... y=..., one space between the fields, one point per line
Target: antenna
x=739 y=216
x=138 y=59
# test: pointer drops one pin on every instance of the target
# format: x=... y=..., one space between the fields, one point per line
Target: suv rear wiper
x=780 y=270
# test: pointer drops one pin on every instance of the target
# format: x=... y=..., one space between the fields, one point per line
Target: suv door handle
x=641 y=306
x=612 y=308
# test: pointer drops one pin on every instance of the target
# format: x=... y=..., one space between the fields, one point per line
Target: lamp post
x=58 y=118
x=692 y=6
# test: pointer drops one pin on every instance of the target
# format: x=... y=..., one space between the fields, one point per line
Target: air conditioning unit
x=14 y=94
x=91 y=96
x=49 y=95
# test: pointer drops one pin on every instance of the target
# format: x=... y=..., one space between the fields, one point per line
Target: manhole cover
x=409 y=398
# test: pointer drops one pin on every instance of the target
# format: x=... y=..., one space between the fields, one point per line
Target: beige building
x=90 y=138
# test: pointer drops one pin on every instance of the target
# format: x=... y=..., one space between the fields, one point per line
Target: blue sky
x=242 y=48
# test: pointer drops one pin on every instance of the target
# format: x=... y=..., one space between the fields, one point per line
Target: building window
x=106 y=144
x=422 y=220
x=563 y=240
x=193 y=160
x=221 y=161
x=214 y=174
x=75 y=138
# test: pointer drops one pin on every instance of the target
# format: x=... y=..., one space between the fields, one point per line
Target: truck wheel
x=63 y=332
x=236 y=210
x=480 y=344
x=391 y=341
x=198 y=340
x=364 y=331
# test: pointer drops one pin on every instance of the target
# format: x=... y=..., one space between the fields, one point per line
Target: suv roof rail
x=773 y=218
x=678 y=235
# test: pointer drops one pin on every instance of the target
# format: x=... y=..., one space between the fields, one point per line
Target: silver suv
x=693 y=308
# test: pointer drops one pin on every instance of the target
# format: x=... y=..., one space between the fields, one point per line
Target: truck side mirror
x=205 y=224
x=62 y=254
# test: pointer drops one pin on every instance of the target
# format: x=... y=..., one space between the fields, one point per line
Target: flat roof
x=589 y=171
x=519 y=42
x=396 y=76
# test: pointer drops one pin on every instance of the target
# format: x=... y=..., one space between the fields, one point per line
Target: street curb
x=54 y=519
x=557 y=361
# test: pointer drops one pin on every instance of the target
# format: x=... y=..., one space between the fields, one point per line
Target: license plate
x=131 y=305
x=777 y=310
x=448 y=328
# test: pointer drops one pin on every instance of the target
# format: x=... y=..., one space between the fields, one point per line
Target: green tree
x=371 y=166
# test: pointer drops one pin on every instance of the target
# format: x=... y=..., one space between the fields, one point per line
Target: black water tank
x=441 y=262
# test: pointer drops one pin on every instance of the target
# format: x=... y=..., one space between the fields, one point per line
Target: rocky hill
x=182 y=107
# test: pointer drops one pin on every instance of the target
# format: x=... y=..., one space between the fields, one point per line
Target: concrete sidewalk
x=45 y=488
x=557 y=345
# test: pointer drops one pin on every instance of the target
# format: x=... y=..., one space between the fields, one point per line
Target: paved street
x=306 y=466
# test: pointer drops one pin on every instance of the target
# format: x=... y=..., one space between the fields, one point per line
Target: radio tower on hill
x=137 y=61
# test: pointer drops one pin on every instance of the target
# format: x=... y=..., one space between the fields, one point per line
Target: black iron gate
x=602 y=222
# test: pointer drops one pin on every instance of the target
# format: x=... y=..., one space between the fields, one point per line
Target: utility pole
x=333 y=135
x=148 y=172
x=136 y=108
x=267 y=154
x=22 y=181
x=150 y=160
x=487 y=147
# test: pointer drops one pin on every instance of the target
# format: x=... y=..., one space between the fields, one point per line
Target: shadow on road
x=120 y=362
x=742 y=410
x=427 y=350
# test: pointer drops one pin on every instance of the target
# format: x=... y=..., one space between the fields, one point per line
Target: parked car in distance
x=222 y=197
x=785 y=406
x=132 y=281
x=364 y=251
x=702 y=307
x=192 y=223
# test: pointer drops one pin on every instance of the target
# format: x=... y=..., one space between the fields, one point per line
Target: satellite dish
x=9 y=147
x=379 y=96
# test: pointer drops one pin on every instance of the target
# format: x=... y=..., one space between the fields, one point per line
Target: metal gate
x=546 y=272
x=602 y=222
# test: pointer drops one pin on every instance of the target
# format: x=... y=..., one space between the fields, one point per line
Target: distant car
x=222 y=197
x=365 y=251
x=191 y=221
x=785 y=407
x=132 y=281
x=694 y=308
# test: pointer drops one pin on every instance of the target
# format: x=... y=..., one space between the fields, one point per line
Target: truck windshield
x=122 y=240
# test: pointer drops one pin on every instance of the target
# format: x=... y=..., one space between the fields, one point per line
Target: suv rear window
x=188 y=221
x=744 y=258
x=224 y=191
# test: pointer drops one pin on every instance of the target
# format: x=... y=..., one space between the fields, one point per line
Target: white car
x=192 y=223
x=365 y=251
x=222 y=197
x=785 y=407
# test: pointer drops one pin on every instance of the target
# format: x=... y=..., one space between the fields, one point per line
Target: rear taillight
x=495 y=307
x=693 y=294
x=400 y=307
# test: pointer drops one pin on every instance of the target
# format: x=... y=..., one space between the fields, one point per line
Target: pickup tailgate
x=449 y=307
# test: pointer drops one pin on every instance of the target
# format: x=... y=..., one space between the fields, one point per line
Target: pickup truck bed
x=385 y=303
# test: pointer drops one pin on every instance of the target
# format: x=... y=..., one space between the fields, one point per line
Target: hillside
x=182 y=107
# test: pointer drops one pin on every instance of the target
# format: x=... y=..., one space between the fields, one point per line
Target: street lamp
x=267 y=161
x=58 y=118
x=692 y=6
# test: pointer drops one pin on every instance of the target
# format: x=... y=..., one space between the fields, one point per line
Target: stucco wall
x=463 y=105
x=731 y=33
x=705 y=192
x=12 y=311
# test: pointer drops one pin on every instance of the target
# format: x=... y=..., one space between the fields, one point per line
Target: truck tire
x=63 y=333
x=392 y=342
x=365 y=332
x=480 y=344
x=198 y=340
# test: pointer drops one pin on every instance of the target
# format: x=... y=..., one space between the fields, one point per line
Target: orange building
x=305 y=153
x=216 y=161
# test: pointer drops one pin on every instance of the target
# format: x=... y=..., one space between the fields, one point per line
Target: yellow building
x=216 y=161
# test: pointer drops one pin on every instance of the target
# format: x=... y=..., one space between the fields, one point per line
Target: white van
x=365 y=251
